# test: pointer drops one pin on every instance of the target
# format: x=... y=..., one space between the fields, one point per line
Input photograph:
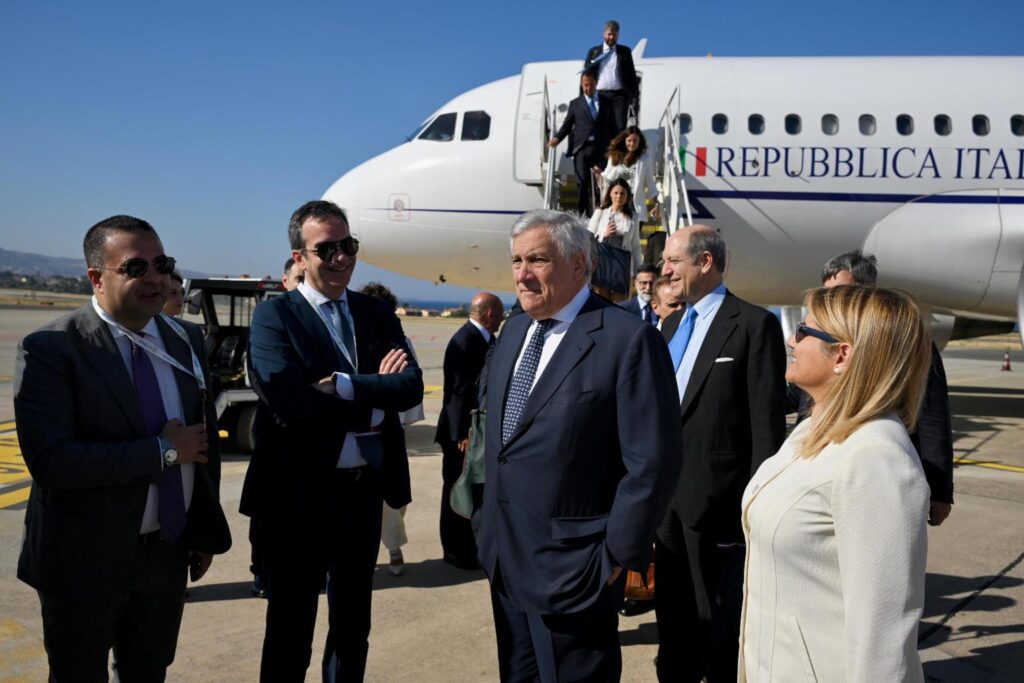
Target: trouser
x=456 y=532
x=584 y=161
x=139 y=622
x=345 y=546
x=698 y=602
x=558 y=648
x=620 y=108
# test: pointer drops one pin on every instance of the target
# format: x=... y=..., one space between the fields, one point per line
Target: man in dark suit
x=582 y=452
x=730 y=366
x=933 y=437
x=588 y=124
x=640 y=304
x=463 y=360
x=616 y=75
x=333 y=373
x=112 y=423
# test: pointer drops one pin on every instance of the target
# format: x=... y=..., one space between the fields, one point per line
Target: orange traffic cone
x=1006 y=360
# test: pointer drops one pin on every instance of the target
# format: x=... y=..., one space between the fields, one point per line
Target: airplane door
x=530 y=126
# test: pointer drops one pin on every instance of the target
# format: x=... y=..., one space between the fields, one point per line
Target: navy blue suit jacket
x=583 y=482
x=579 y=125
x=301 y=430
x=633 y=306
x=463 y=360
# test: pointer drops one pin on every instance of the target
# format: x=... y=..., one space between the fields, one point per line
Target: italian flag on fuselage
x=702 y=160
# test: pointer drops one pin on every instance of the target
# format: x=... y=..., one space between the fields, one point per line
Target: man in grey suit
x=111 y=410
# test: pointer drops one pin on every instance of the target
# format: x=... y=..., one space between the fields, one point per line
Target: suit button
x=502 y=459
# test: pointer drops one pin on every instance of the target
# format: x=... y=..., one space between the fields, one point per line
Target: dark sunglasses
x=804 y=331
x=137 y=267
x=328 y=251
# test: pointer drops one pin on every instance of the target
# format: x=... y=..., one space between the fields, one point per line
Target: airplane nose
x=345 y=193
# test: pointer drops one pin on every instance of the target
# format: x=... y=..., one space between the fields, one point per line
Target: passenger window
x=476 y=125
x=720 y=123
x=441 y=130
x=943 y=124
x=755 y=124
x=980 y=124
x=685 y=124
x=793 y=124
x=867 y=124
x=1017 y=125
x=904 y=124
x=829 y=124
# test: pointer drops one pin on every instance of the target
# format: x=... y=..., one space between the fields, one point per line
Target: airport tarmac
x=434 y=622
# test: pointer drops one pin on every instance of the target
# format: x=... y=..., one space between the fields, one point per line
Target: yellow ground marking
x=14 y=497
x=12 y=465
x=429 y=389
x=990 y=465
x=6 y=426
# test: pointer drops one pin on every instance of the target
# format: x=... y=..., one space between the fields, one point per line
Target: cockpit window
x=476 y=125
x=442 y=129
x=416 y=131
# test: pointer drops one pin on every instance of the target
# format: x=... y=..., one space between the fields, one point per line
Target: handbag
x=461 y=497
x=612 y=272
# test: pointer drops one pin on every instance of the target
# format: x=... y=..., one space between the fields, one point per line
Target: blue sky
x=214 y=120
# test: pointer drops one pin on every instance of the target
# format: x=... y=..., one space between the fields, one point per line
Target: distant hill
x=26 y=263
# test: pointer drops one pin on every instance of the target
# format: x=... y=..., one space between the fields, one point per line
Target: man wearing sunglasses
x=933 y=438
x=112 y=414
x=333 y=373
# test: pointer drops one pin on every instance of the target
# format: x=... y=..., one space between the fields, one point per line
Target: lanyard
x=150 y=348
x=333 y=331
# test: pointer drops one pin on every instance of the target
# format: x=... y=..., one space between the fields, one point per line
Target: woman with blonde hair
x=835 y=521
x=628 y=159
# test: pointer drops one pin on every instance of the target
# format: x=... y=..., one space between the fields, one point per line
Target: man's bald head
x=487 y=309
x=694 y=262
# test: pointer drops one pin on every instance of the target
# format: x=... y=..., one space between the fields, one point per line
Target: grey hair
x=863 y=267
x=710 y=241
x=568 y=231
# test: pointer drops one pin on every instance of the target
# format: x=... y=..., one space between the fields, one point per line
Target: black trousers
x=139 y=622
x=456 y=532
x=558 y=648
x=620 y=108
x=584 y=161
x=698 y=603
x=344 y=544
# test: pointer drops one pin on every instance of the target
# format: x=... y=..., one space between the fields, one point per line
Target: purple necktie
x=172 y=496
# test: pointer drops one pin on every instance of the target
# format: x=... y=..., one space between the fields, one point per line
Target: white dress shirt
x=482 y=330
x=172 y=408
x=706 y=309
x=350 y=455
x=554 y=335
x=608 y=74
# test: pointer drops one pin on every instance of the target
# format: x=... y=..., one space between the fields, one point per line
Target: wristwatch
x=168 y=452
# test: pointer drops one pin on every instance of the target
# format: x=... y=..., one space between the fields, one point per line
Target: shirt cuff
x=376 y=417
x=343 y=386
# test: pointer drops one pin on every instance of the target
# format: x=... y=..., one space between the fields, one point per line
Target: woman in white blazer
x=628 y=159
x=616 y=222
x=835 y=522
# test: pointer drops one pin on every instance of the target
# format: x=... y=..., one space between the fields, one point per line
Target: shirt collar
x=150 y=330
x=572 y=309
x=606 y=47
x=710 y=302
x=316 y=297
x=483 y=330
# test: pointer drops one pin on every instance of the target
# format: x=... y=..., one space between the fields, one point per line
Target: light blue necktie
x=593 y=108
x=345 y=329
x=681 y=339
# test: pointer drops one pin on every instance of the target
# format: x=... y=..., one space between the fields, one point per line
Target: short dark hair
x=590 y=73
x=97 y=236
x=711 y=242
x=318 y=208
x=863 y=267
x=612 y=24
x=378 y=290
x=649 y=268
x=288 y=266
x=176 y=276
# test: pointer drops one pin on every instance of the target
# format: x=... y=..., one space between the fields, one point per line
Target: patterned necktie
x=345 y=329
x=677 y=347
x=172 y=496
x=522 y=382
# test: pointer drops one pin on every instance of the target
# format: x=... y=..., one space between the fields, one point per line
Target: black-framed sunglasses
x=805 y=331
x=328 y=251
x=137 y=267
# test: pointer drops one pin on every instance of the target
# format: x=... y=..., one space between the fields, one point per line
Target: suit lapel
x=329 y=354
x=573 y=347
x=503 y=361
x=721 y=329
x=361 y=322
x=188 y=388
x=101 y=352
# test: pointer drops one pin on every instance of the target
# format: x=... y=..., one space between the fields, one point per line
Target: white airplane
x=919 y=160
